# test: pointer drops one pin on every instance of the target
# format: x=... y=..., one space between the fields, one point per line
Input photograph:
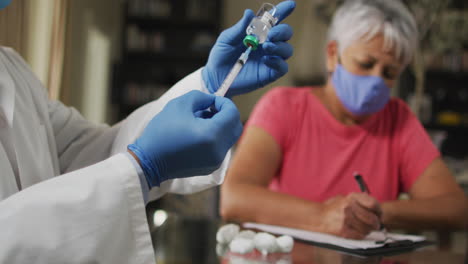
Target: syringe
x=234 y=72
x=257 y=33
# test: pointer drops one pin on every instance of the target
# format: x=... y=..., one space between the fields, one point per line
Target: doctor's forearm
x=445 y=212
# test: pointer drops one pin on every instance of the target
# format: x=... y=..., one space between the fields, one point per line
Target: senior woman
x=295 y=162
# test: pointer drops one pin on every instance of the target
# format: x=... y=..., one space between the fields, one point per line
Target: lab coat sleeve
x=133 y=126
x=80 y=143
x=91 y=215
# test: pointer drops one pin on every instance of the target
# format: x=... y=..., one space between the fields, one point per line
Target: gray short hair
x=357 y=19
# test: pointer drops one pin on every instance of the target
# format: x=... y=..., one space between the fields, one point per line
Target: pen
x=363 y=186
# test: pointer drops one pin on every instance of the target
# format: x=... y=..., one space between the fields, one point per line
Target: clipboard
x=367 y=247
x=389 y=249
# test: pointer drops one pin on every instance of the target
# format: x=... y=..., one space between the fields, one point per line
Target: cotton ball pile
x=248 y=234
x=239 y=242
x=265 y=243
x=246 y=241
x=241 y=245
x=227 y=233
x=221 y=249
x=285 y=243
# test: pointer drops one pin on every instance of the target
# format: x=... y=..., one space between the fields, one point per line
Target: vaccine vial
x=258 y=29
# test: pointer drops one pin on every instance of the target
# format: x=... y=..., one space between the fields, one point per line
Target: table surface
x=181 y=240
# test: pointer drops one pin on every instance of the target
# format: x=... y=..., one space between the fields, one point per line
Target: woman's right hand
x=353 y=216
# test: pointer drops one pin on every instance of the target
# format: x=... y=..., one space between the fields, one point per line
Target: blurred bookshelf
x=445 y=53
x=444 y=104
x=162 y=42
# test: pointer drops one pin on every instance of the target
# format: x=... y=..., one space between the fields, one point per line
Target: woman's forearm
x=447 y=212
x=245 y=202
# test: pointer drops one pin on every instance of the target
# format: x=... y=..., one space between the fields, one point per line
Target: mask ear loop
x=339 y=60
x=330 y=73
x=338 y=54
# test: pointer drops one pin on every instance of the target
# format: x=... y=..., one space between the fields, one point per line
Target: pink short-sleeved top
x=320 y=155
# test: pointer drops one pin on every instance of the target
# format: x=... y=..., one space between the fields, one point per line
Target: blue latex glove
x=265 y=65
x=181 y=141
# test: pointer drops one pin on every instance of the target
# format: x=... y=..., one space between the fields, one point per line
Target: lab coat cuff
x=141 y=175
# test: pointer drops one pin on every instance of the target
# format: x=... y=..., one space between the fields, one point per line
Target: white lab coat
x=94 y=212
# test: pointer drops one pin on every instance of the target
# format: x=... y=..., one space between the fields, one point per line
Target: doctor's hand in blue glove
x=265 y=65
x=181 y=141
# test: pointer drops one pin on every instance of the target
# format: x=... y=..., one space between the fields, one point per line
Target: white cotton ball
x=249 y=234
x=285 y=244
x=227 y=233
x=265 y=243
x=241 y=245
x=221 y=249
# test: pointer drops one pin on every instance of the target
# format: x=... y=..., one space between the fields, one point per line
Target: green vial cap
x=251 y=41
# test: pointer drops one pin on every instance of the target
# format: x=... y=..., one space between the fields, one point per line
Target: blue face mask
x=4 y=3
x=361 y=95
